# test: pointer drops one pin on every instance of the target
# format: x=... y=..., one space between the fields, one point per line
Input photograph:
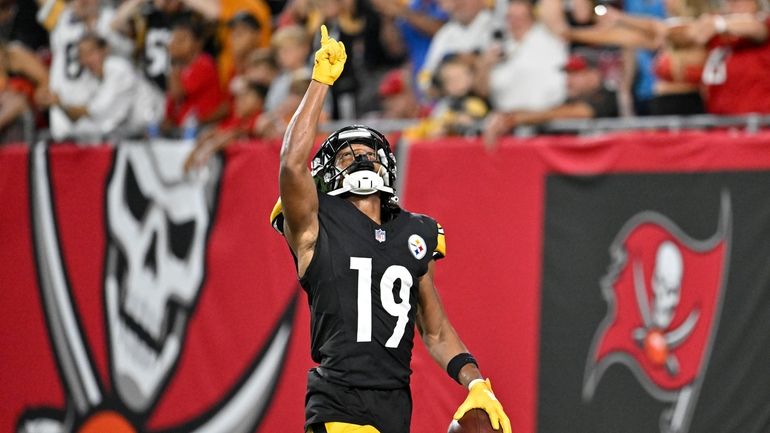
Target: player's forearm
x=443 y=343
x=298 y=140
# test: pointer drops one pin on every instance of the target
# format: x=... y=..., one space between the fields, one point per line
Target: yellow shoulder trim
x=51 y=16
x=441 y=244
x=276 y=216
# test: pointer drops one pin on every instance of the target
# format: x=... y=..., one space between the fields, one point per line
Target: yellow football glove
x=481 y=396
x=329 y=59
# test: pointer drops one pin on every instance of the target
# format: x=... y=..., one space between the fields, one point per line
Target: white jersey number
x=400 y=310
x=72 y=67
x=156 y=53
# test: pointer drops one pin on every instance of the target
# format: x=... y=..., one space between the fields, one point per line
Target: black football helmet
x=359 y=177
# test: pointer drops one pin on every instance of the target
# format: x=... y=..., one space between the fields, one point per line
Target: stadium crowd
x=219 y=70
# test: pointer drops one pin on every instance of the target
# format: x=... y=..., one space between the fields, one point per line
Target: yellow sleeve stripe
x=441 y=243
x=49 y=14
x=276 y=216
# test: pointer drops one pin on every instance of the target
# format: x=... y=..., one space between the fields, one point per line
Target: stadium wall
x=554 y=259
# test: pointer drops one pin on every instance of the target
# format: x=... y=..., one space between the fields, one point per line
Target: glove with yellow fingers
x=481 y=396
x=329 y=59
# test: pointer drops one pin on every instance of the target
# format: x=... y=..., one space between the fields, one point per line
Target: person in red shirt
x=193 y=91
x=249 y=98
x=735 y=73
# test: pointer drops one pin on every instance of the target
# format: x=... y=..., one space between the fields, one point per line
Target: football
x=474 y=421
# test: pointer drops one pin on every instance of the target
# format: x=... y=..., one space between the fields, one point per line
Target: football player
x=367 y=266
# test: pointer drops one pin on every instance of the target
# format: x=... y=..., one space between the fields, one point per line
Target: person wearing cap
x=587 y=98
x=397 y=97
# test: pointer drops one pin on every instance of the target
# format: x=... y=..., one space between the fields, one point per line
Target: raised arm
x=748 y=26
x=123 y=14
x=619 y=36
x=298 y=191
x=25 y=62
x=445 y=346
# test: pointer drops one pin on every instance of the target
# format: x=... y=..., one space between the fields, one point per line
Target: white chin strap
x=363 y=182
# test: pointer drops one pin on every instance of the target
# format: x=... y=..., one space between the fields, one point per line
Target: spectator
x=222 y=11
x=587 y=97
x=468 y=30
x=244 y=39
x=418 y=21
x=374 y=47
x=23 y=78
x=346 y=23
x=13 y=107
x=249 y=98
x=735 y=74
x=67 y=23
x=18 y=23
x=261 y=67
x=639 y=77
x=382 y=49
x=522 y=71
x=292 y=49
x=272 y=124
x=458 y=111
x=149 y=24
x=193 y=93
x=398 y=97
x=678 y=62
x=122 y=104
x=22 y=72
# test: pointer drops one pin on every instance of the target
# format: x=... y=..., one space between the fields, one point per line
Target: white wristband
x=473 y=382
x=720 y=24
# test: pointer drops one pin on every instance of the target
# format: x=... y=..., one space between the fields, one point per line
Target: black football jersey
x=362 y=286
x=155 y=60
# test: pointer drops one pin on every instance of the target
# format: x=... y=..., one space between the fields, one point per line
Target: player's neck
x=369 y=205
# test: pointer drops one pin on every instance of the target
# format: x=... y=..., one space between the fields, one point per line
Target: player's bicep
x=300 y=206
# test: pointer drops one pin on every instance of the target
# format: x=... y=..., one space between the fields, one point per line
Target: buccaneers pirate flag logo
x=664 y=292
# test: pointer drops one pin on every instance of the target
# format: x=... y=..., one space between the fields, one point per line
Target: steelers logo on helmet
x=366 y=172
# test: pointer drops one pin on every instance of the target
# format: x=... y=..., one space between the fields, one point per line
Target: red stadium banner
x=548 y=240
x=136 y=297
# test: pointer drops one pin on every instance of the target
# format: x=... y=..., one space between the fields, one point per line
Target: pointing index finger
x=324 y=34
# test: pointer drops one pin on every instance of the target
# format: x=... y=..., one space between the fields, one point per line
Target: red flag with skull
x=663 y=290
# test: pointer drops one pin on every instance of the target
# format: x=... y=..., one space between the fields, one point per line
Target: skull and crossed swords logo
x=158 y=221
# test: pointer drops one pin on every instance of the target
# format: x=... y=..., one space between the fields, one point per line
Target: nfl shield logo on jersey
x=379 y=234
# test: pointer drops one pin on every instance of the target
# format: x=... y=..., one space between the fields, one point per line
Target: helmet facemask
x=366 y=174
